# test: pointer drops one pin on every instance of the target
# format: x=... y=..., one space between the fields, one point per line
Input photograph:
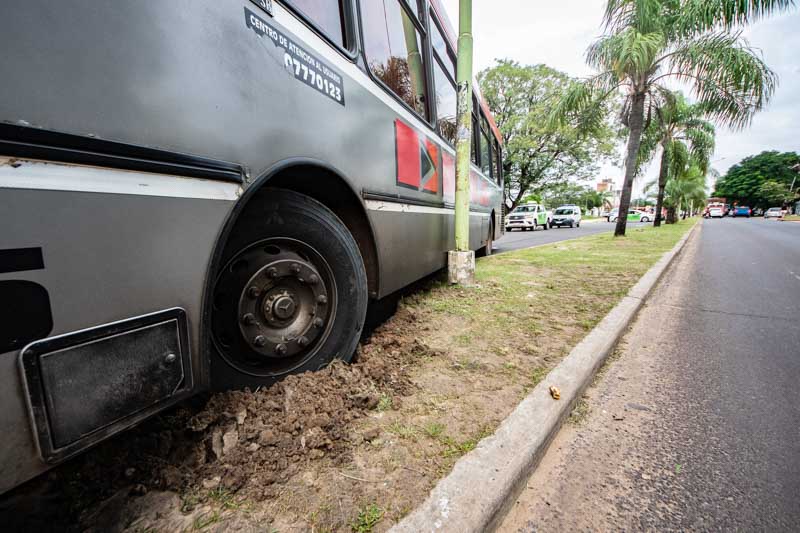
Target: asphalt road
x=515 y=240
x=697 y=425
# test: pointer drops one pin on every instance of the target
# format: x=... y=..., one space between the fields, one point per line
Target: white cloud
x=558 y=33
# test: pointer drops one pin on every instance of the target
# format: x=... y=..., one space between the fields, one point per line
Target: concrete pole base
x=461 y=267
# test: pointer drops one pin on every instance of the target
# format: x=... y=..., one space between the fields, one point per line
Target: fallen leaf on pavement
x=555 y=393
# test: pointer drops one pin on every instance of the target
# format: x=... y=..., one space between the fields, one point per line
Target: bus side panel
x=197 y=77
x=105 y=257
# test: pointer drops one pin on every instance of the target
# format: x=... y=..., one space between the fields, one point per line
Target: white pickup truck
x=529 y=216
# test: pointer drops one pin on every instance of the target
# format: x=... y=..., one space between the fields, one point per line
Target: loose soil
x=353 y=447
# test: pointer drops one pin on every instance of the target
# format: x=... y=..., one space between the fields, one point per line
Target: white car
x=634 y=215
x=528 y=217
x=716 y=211
x=567 y=215
x=773 y=212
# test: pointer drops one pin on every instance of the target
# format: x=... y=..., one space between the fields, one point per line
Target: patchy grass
x=385 y=403
x=580 y=412
x=367 y=519
x=792 y=218
x=434 y=430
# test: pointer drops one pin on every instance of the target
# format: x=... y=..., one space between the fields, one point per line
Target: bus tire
x=291 y=295
x=488 y=249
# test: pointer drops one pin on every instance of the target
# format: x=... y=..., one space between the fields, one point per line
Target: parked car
x=716 y=210
x=529 y=216
x=567 y=215
x=612 y=215
x=773 y=212
x=741 y=211
x=634 y=215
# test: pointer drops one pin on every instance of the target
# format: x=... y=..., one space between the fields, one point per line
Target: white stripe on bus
x=397 y=207
x=41 y=175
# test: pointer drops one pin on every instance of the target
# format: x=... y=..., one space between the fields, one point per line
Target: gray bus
x=201 y=195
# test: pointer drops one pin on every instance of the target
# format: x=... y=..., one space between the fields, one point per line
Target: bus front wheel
x=291 y=295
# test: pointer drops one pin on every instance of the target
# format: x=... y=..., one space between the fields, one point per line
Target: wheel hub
x=283 y=306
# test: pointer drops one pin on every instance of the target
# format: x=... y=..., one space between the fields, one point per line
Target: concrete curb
x=484 y=484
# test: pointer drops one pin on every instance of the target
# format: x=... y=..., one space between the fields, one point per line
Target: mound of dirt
x=246 y=442
x=252 y=440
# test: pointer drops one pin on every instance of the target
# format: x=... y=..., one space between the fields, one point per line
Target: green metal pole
x=464 y=121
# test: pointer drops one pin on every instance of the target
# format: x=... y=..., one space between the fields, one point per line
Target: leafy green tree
x=680 y=131
x=773 y=193
x=744 y=182
x=651 y=42
x=537 y=153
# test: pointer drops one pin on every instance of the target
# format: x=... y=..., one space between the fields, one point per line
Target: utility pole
x=461 y=261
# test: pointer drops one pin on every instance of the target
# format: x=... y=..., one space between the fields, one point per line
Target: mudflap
x=85 y=386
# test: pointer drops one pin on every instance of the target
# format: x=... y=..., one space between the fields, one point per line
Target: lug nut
x=260 y=341
x=302 y=341
x=253 y=292
x=313 y=279
x=272 y=272
x=322 y=299
x=318 y=323
x=249 y=319
x=280 y=349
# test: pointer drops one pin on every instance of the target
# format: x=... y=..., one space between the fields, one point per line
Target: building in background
x=607 y=185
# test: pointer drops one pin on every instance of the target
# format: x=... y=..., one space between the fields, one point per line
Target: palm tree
x=649 y=42
x=684 y=190
x=679 y=129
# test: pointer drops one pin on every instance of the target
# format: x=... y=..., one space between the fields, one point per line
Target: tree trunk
x=636 y=123
x=662 y=183
x=671 y=218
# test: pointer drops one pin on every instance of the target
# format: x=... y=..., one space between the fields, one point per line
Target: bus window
x=486 y=157
x=412 y=4
x=327 y=14
x=475 y=130
x=496 y=153
x=393 y=46
x=441 y=49
x=445 y=103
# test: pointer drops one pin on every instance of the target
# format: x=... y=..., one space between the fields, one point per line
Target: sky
x=558 y=33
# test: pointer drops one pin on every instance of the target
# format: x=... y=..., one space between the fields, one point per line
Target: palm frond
x=644 y=15
x=698 y=16
x=726 y=74
x=583 y=96
x=626 y=53
x=677 y=157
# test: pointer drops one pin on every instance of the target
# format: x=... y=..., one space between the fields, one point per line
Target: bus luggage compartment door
x=86 y=386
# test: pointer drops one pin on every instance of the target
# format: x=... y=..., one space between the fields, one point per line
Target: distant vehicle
x=567 y=215
x=634 y=215
x=727 y=210
x=758 y=212
x=717 y=201
x=716 y=210
x=741 y=211
x=612 y=215
x=529 y=216
x=773 y=212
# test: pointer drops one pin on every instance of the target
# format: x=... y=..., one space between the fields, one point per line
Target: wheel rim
x=274 y=305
